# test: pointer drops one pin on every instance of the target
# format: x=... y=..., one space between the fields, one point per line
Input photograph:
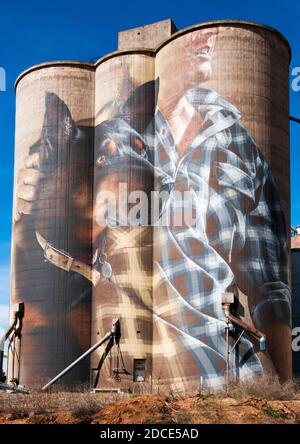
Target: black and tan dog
x=56 y=230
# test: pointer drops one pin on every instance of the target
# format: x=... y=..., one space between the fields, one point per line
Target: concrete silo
x=229 y=81
x=199 y=118
x=124 y=109
x=54 y=139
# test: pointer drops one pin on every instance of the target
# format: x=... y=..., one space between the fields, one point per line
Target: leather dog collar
x=66 y=262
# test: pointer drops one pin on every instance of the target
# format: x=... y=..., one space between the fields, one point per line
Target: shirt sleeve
x=249 y=228
x=262 y=264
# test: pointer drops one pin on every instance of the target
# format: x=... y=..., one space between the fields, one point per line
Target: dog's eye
x=139 y=145
x=101 y=161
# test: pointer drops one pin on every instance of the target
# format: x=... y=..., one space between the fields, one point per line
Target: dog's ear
x=58 y=131
x=139 y=109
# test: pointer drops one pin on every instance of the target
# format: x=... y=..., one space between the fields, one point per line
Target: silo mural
x=226 y=231
x=121 y=173
x=151 y=184
x=52 y=222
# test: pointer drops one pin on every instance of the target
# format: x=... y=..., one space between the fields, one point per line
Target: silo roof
x=93 y=66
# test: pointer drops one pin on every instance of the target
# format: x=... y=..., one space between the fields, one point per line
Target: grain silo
x=127 y=109
x=56 y=153
x=228 y=81
x=194 y=124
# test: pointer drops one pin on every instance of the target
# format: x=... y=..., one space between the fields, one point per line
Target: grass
x=273 y=412
x=83 y=405
x=267 y=387
x=80 y=404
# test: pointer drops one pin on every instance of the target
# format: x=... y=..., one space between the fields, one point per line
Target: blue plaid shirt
x=239 y=240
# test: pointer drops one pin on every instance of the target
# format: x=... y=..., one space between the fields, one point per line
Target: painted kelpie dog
x=74 y=163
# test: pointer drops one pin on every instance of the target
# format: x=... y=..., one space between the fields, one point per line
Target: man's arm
x=257 y=249
x=261 y=267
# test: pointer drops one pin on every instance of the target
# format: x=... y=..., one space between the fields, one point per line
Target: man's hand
x=27 y=185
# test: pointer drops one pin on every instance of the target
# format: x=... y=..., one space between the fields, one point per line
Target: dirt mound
x=197 y=410
x=32 y=418
x=155 y=409
x=139 y=410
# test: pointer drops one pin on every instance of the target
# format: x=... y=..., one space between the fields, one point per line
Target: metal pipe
x=84 y=355
x=3 y=338
x=227 y=300
x=294 y=119
x=15 y=376
x=2 y=374
x=8 y=332
x=245 y=326
x=14 y=388
x=237 y=341
x=228 y=357
x=15 y=327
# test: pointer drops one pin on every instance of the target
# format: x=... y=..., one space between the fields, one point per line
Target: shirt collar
x=217 y=113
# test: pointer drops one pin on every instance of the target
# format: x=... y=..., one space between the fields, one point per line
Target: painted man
x=237 y=240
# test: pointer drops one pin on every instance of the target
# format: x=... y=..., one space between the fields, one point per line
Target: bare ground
x=155 y=409
x=262 y=402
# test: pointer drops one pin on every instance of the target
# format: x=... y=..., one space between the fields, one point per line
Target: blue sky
x=32 y=32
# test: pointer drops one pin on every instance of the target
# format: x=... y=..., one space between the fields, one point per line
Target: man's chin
x=203 y=74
